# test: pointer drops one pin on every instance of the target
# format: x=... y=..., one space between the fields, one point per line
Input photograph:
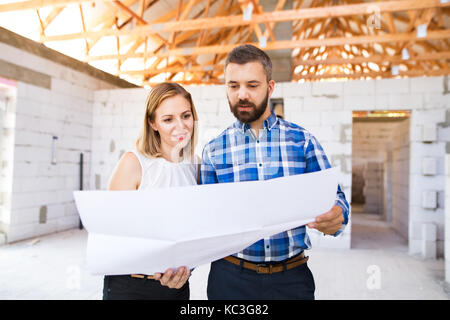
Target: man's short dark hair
x=248 y=53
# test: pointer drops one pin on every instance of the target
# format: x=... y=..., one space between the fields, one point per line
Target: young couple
x=258 y=146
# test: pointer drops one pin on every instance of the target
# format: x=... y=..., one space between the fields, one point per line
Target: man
x=260 y=146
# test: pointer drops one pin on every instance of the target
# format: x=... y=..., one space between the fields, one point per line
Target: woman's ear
x=152 y=125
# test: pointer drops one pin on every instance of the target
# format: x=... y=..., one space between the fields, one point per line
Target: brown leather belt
x=270 y=268
x=142 y=276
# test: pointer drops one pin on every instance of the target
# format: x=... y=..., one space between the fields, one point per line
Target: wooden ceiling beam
x=237 y=20
x=172 y=69
x=376 y=59
x=188 y=82
x=292 y=44
x=409 y=73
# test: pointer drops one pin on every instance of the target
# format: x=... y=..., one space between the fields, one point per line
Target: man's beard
x=249 y=116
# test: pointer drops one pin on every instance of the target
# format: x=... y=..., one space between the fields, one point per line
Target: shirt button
x=257 y=141
x=260 y=164
x=267 y=247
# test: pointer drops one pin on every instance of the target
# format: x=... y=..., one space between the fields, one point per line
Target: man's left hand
x=329 y=222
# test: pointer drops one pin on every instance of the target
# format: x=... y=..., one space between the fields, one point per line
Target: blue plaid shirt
x=282 y=149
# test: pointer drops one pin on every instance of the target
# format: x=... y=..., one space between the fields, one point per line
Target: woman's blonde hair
x=149 y=141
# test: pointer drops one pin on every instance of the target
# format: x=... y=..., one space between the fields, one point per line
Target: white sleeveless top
x=160 y=173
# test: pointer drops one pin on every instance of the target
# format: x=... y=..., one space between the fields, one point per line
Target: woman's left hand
x=173 y=280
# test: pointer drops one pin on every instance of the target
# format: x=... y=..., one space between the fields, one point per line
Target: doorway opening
x=380 y=178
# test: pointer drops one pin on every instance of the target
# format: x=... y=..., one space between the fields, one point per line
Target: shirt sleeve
x=208 y=173
x=317 y=160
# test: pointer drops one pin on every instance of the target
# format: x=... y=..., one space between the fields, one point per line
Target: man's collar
x=269 y=123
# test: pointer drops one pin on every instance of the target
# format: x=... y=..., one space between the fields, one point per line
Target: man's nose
x=243 y=93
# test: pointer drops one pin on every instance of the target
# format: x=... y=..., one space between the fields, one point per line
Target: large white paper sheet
x=143 y=232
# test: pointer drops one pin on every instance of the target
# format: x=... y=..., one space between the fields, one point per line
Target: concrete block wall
x=373 y=187
x=428 y=100
x=371 y=140
x=42 y=192
x=400 y=177
x=427 y=186
x=7 y=120
x=41 y=197
x=117 y=120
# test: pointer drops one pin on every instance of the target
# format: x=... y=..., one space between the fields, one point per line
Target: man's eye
x=233 y=87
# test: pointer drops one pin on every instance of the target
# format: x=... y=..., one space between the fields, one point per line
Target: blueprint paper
x=143 y=232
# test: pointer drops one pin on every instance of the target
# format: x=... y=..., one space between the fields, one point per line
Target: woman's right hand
x=172 y=279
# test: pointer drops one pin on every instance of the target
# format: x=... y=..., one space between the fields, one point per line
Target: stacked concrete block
x=373 y=187
x=429 y=199
x=429 y=166
x=429 y=133
x=429 y=231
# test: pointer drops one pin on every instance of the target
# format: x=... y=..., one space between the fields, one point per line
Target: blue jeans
x=227 y=281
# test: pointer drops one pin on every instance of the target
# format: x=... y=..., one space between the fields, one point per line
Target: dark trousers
x=231 y=282
x=125 y=287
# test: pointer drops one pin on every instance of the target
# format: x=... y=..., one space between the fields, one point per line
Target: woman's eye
x=187 y=116
x=167 y=120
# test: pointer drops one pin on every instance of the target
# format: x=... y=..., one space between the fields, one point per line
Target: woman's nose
x=180 y=123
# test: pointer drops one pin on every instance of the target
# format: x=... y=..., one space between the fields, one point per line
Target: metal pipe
x=81 y=183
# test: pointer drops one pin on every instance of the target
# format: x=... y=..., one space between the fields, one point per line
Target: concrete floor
x=377 y=267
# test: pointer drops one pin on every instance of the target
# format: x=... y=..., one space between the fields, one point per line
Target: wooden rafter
x=292 y=44
x=237 y=20
x=376 y=59
x=411 y=73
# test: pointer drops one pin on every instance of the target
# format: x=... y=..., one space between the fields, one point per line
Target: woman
x=163 y=158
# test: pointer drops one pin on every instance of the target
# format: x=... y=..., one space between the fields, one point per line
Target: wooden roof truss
x=331 y=39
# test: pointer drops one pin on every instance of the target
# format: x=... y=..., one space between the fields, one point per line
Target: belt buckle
x=260 y=265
